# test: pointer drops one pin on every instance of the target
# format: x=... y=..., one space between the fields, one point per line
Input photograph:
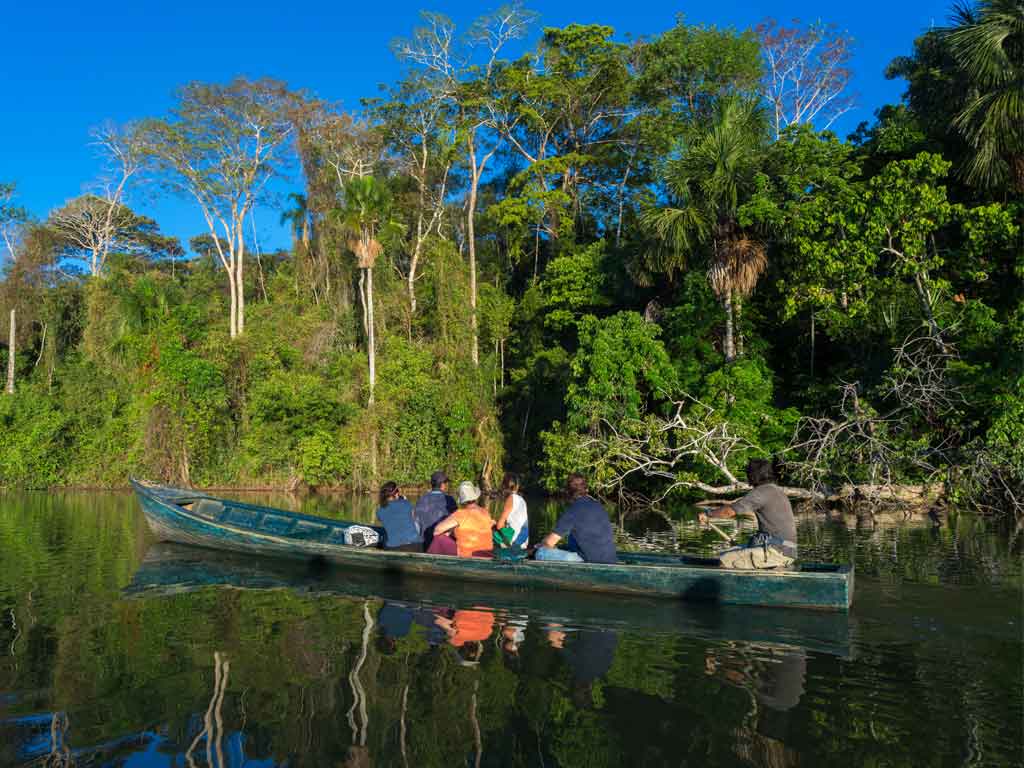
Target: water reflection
x=115 y=652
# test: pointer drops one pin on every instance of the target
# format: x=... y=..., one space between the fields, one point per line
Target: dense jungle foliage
x=636 y=258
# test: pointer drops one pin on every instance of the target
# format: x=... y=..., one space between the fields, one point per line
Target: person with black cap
x=433 y=506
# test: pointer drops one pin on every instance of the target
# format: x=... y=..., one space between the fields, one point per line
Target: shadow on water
x=117 y=652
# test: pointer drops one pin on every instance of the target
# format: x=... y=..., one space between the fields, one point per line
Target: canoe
x=192 y=517
x=168 y=570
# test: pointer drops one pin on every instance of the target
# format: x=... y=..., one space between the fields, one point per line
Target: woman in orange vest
x=470 y=524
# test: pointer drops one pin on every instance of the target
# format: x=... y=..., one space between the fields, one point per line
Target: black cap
x=438 y=479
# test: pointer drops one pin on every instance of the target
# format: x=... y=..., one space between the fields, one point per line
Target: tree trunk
x=474 y=182
x=471 y=238
x=362 y=301
x=812 y=344
x=412 y=277
x=727 y=343
x=502 y=347
x=370 y=334
x=42 y=348
x=234 y=302
x=11 y=349
x=738 y=310
x=622 y=204
x=240 y=285
x=414 y=261
x=536 y=250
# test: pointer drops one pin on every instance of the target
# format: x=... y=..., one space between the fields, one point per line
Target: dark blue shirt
x=590 y=653
x=399 y=523
x=431 y=508
x=586 y=521
x=394 y=620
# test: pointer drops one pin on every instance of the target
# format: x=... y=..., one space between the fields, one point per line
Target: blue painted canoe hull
x=190 y=517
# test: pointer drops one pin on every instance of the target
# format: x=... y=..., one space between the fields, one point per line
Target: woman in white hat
x=470 y=524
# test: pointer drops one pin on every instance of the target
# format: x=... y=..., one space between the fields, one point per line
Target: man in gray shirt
x=774 y=544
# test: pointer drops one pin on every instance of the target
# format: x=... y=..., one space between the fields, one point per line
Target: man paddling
x=774 y=544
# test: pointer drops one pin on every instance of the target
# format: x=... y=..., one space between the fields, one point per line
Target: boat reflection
x=171 y=568
x=379 y=670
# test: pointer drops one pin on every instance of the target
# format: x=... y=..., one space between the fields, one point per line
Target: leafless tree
x=806 y=73
x=695 y=445
x=97 y=222
x=917 y=386
x=349 y=148
x=672 y=450
x=448 y=60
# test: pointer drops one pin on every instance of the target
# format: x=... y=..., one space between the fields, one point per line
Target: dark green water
x=116 y=651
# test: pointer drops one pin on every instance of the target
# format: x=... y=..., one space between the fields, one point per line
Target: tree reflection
x=448 y=675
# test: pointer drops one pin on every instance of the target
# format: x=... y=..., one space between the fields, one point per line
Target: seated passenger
x=585 y=522
x=399 y=522
x=512 y=528
x=470 y=524
x=433 y=506
x=774 y=544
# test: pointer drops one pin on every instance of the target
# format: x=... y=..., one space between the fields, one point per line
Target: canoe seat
x=208 y=508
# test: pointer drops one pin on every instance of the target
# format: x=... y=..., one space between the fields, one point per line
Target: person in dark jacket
x=433 y=506
x=396 y=515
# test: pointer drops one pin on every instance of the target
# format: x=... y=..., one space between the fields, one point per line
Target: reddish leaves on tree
x=806 y=72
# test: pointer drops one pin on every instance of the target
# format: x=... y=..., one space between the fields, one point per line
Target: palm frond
x=989 y=47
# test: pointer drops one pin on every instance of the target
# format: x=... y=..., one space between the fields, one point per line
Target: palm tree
x=708 y=183
x=298 y=217
x=988 y=44
x=365 y=215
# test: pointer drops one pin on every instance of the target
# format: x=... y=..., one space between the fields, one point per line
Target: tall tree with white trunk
x=366 y=215
x=221 y=146
x=466 y=81
x=415 y=122
x=11 y=218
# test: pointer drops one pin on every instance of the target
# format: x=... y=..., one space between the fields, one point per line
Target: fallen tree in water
x=858 y=455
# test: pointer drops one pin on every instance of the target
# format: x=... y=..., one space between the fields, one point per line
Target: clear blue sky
x=66 y=67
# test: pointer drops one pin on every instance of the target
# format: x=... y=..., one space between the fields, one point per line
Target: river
x=117 y=650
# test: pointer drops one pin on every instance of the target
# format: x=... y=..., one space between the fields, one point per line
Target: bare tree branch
x=807 y=73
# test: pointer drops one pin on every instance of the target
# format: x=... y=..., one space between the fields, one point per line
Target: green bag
x=503 y=536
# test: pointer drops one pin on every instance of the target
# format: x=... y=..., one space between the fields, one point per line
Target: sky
x=67 y=67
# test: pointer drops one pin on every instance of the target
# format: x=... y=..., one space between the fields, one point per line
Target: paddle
x=716 y=529
x=721 y=533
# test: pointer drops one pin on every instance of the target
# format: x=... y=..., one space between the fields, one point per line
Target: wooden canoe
x=192 y=517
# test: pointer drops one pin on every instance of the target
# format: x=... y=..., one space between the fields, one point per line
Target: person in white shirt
x=513 y=514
